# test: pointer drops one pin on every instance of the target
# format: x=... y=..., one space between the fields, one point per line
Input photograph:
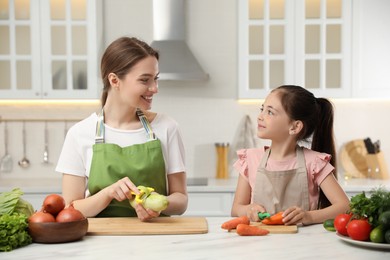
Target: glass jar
x=222 y=150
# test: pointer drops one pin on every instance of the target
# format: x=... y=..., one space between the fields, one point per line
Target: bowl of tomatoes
x=54 y=223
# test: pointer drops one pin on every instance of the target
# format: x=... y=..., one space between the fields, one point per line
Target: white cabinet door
x=371 y=52
x=49 y=49
x=209 y=204
x=299 y=42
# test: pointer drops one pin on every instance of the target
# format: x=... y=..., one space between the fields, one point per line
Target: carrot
x=247 y=230
x=232 y=224
x=276 y=219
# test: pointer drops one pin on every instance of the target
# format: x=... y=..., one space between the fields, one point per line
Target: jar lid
x=221 y=144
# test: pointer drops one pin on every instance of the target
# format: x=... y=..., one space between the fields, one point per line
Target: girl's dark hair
x=120 y=56
x=316 y=115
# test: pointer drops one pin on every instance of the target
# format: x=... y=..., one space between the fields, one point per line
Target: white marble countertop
x=311 y=242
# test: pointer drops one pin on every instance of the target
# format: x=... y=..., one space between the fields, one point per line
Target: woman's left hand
x=145 y=214
x=294 y=215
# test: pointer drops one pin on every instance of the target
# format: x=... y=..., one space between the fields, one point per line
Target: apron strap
x=99 y=136
x=149 y=132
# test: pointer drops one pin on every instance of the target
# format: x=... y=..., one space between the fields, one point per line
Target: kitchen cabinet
x=212 y=200
x=371 y=63
x=210 y=204
x=299 y=42
x=50 y=48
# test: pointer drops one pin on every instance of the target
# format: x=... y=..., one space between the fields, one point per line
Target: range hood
x=176 y=60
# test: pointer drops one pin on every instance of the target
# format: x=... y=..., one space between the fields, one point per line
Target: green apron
x=142 y=163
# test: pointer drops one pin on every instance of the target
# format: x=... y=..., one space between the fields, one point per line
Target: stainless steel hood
x=176 y=60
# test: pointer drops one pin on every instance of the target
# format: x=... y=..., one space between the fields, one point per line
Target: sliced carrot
x=276 y=219
x=232 y=224
x=247 y=230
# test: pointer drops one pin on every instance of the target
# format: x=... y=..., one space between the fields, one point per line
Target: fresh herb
x=370 y=207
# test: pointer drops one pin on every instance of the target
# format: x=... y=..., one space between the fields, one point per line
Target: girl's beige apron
x=142 y=163
x=279 y=190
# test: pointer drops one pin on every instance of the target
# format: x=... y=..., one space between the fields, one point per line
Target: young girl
x=285 y=177
x=106 y=155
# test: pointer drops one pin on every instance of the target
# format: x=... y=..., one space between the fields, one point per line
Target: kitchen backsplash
x=203 y=122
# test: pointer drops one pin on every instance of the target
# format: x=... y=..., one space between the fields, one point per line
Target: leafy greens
x=370 y=207
x=14 y=212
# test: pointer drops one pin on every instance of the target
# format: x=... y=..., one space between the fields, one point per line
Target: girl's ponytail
x=323 y=139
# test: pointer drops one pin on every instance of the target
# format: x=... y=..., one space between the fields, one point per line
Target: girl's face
x=140 y=84
x=273 y=122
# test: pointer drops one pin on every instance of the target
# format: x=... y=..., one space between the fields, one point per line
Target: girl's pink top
x=317 y=166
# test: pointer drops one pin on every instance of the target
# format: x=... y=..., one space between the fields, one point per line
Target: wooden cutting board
x=276 y=229
x=157 y=226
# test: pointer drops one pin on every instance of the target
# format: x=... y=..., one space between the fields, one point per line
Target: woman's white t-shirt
x=76 y=154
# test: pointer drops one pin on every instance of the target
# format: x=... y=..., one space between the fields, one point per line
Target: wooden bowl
x=58 y=232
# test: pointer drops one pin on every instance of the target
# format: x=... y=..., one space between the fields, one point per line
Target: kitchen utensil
x=58 y=232
x=6 y=161
x=156 y=226
x=46 y=151
x=24 y=162
x=369 y=145
x=377 y=146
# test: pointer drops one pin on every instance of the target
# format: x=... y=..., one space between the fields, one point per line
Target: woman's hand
x=253 y=210
x=121 y=189
x=145 y=214
x=294 y=215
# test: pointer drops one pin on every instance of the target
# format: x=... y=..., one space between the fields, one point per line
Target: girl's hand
x=145 y=214
x=294 y=215
x=121 y=189
x=253 y=211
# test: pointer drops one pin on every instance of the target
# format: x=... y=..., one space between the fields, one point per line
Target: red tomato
x=340 y=223
x=359 y=229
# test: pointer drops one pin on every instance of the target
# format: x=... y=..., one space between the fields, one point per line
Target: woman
x=107 y=155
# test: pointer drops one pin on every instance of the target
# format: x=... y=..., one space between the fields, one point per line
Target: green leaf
x=8 y=200
x=13 y=231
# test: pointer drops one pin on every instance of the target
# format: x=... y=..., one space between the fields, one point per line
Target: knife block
x=376 y=166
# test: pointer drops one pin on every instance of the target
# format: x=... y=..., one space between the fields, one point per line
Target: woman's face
x=273 y=122
x=139 y=85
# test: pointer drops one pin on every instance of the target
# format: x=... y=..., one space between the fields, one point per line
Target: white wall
x=207 y=112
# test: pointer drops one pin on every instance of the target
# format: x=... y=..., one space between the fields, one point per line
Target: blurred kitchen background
x=244 y=53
